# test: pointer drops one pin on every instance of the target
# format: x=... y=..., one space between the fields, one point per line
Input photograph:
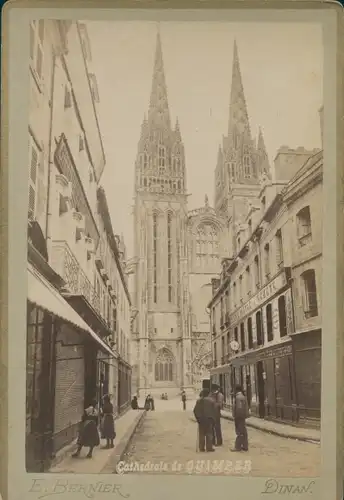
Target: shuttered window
x=36 y=46
x=34 y=160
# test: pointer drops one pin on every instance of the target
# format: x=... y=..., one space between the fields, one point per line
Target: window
x=249 y=332
x=222 y=311
x=94 y=87
x=161 y=154
x=145 y=160
x=259 y=327
x=247 y=163
x=304 y=228
x=269 y=326
x=215 y=354
x=228 y=342
x=310 y=306
x=267 y=260
x=282 y=316
x=242 y=336
x=227 y=304
x=256 y=271
x=164 y=366
x=279 y=248
x=240 y=288
x=250 y=227
x=36 y=47
x=214 y=319
x=223 y=348
x=169 y=255
x=248 y=281
x=234 y=295
x=155 y=252
x=231 y=171
x=81 y=143
x=236 y=334
x=34 y=166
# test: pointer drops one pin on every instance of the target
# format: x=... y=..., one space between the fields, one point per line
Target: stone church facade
x=178 y=252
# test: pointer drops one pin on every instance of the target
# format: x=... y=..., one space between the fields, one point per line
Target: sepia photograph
x=174 y=259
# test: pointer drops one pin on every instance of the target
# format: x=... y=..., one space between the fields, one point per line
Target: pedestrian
x=204 y=412
x=184 y=400
x=152 y=405
x=217 y=430
x=108 y=422
x=88 y=430
x=135 y=403
x=240 y=414
x=148 y=403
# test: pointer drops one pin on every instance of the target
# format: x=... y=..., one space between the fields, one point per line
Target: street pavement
x=166 y=443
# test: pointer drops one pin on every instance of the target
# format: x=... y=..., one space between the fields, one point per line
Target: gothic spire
x=263 y=159
x=159 y=114
x=177 y=131
x=238 y=116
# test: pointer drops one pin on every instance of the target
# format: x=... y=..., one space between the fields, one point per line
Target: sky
x=282 y=72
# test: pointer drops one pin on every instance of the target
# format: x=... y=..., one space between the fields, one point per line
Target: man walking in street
x=184 y=400
x=204 y=412
x=240 y=414
x=217 y=431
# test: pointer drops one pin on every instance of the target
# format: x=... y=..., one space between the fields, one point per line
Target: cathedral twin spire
x=160 y=162
x=242 y=160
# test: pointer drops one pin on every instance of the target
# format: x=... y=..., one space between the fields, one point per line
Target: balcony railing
x=67 y=266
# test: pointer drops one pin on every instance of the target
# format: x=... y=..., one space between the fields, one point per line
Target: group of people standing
x=207 y=412
x=95 y=425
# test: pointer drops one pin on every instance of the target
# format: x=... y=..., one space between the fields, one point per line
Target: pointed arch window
x=176 y=164
x=164 y=366
x=169 y=255
x=162 y=156
x=247 y=163
x=145 y=160
x=155 y=250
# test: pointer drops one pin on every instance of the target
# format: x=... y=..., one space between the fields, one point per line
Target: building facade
x=266 y=308
x=176 y=253
x=71 y=339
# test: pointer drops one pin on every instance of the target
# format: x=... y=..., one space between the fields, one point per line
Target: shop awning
x=44 y=295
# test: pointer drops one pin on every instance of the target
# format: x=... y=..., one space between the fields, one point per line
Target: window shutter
x=32 y=202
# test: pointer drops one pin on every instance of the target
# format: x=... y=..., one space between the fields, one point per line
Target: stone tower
x=161 y=330
x=241 y=164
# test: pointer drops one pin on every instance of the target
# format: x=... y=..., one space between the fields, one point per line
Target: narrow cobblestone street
x=169 y=435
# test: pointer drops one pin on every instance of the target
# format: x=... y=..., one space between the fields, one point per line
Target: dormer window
x=81 y=143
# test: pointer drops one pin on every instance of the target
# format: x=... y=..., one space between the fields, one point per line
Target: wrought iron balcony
x=67 y=266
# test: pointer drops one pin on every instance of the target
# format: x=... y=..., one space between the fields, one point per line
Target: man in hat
x=240 y=414
x=218 y=401
x=204 y=412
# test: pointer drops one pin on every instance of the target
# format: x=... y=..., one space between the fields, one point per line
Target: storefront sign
x=277 y=352
x=255 y=356
x=262 y=296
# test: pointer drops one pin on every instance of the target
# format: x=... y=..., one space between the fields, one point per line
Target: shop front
x=61 y=371
x=267 y=377
x=307 y=354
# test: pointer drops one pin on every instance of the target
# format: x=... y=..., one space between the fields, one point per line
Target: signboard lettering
x=262 y=296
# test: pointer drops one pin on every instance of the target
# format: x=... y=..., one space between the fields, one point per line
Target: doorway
x=261 y=389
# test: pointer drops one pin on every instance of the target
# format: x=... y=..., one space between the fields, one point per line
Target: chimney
x=289 y=161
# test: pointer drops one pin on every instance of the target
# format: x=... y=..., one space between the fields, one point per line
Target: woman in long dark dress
x=108 y=422
x=88 y=432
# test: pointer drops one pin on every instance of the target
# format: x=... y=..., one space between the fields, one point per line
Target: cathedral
x=178 y=252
